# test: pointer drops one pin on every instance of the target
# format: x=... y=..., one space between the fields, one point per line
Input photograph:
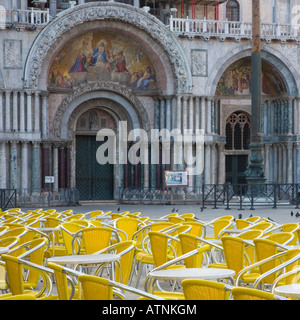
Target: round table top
x=193 y=273
x=289 y=290
x=85 y=259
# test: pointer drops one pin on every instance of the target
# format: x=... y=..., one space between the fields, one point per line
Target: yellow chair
x=293 y=228
x=236 y=258
x=254 y=219
x=16 y=232
x=196 y=289
x=263 y=225
x=190 y=216
x=15 y=268
x=33 y=223
x=97 y=288
x=93 y=239
x=129 y=225
x=75 y=216
x=96 y=213
x=18 y=297
x=9 y=242
x=66 y=288
x=220 y=226
x=284 y=238
x=125 y=250
x=188 y=243
x=197 y=228
x=242 y=223
x=68 y=230
x=242 y=293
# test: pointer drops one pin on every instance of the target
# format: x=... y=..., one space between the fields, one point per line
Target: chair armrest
x=283 y=276
x=257 y=264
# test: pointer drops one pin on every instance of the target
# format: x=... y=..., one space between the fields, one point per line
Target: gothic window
x=238 y=130
x=233 y=10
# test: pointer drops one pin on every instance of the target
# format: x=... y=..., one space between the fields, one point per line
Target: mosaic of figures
x=236 y=80
x=99 y=56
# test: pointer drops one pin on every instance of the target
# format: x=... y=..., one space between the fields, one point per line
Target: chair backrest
x=254 y=219
x=188 y=216
x=265 y=248
x=251 y=234
x=95 y=288
x=188 y=243
x=158 y=226
x=16 y=232
x=75 y=216
x=196 y=289
x=95 y=213
x=196 y=227
x=293 y=228
x=68 y=230
x=242 y=293
x=61 y=281
x=175 y=219
x=159 y=247
x=34 y=252
x=234 y=253
x=221 y=225
x=281 y=237
x=263 y=225
x=95 y=238
x=242 y=223
x=129 y=225
x=9 y=242
x=126 y=250
x=33 y=222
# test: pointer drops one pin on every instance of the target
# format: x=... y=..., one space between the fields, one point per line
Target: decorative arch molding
x=275 y=58
x=121 y=96
x=112 y=12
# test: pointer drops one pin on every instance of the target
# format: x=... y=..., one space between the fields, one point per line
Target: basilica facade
x=71 y=68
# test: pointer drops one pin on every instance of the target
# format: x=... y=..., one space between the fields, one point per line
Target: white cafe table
x=288 y=291
x=188 y=273
x=87 y=259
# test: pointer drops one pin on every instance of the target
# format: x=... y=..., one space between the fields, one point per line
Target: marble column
x=191 y=113
x=7 y=111
x=24 y=164
x=68 y=164
x=15 y=112
x=22 y=112
x=214 y=164
x=55 y=165
x=45 y=163
x=62 y=167
x=208 y=114
x=162 y=123
x=275 y=163
x=184 y=113
x=36 y=167
x=1 y=112
x=53 y=8
x=168 y=114
x=44 y=115
x=197 y=113
x=297 y=162
x=269 y=117
x=221 y=163
x=297 y=117
x=203 y=114
x=178 y=113
x=29 y=111
x=14 y=164
x=267 y=162
x=3 y=165
x=207 y=168
x=37 y=111
x=291 y=118
x=290 y=162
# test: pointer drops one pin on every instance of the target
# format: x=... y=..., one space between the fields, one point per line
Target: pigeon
x=297 y=215
x=240 y=216
x=292 y=213
x=250 y=216
x=173 y=210
x=270 y=219
x=119 y=209
x=201 y=209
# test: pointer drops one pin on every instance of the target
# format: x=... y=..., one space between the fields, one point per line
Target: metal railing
x=8 y=198
x=217 y=195
x=46 y=197
x=232 y=29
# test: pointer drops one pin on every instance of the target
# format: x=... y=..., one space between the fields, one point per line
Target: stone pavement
x=279 y=215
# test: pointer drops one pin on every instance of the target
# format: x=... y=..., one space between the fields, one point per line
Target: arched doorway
x=238 y=132
x=94 y=181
